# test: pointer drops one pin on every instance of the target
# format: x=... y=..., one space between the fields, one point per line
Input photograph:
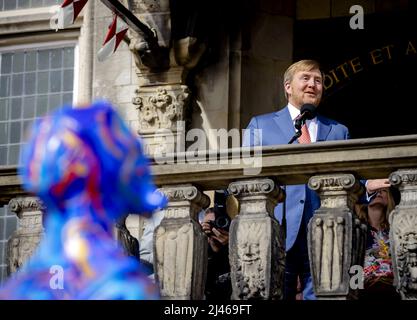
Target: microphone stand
x=298 y=124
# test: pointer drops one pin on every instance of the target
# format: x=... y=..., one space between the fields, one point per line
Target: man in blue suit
x=303 y=83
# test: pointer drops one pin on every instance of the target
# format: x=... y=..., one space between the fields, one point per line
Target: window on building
x=8 y=224
x=25 y=4
x=32 y=83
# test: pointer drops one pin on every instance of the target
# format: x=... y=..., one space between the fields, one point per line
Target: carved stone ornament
x=337 y=191
x=403 y=234
x=26 y=238
x=161 y=108
x=336 y=238
x=257 y=244
x=20 y=205
x=180 y=245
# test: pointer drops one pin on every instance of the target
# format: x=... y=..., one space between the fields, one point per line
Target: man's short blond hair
x=302 y=65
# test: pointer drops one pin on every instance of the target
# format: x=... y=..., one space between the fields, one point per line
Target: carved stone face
x=250 y=252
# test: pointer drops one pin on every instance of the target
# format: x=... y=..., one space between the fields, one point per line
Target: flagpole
x=132 y=21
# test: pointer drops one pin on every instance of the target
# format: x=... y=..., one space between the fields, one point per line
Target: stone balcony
x=332 y=169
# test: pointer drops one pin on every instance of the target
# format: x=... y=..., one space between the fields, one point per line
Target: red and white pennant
x=69 y=11
x=117 y=31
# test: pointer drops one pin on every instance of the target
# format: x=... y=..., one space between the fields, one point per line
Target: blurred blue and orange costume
x=89 y=170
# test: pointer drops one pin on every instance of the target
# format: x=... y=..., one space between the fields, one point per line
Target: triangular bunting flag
x=69 y=11
x=117 y=31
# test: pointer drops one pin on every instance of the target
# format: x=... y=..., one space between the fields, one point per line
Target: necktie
x=305 y=136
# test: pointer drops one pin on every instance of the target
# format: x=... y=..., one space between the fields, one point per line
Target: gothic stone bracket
x=403 y=234
x=336 y=238
x=257 y=244
x=180 y=245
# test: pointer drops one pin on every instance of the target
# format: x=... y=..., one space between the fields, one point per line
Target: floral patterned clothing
x=378 y=264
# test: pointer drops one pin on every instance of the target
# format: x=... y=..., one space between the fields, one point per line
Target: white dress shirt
x=311 y=124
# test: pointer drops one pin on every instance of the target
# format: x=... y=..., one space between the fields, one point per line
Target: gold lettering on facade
x=410 y=48
x=327 y=77
x=376 y=56
x=356 y=65
x=342 y=67
x=388 y=50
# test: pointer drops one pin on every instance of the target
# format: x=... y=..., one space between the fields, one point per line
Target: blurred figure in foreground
x=89 y=170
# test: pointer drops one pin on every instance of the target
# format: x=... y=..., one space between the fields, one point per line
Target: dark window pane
x=41 y=105
x=6 y=63
x=13 y=154
x=11 y=224
x=17 y=84
x=16 y=108
x=9 y=5
x=37 y=3
x=68 y=57
x=55 y=81
x=68 y=80
x=14 y=132
x=54 y=101
x=23 y=4
x=18 y=60
x=52 y=2
x=30 y=61
x=30 y=83
x=56 y=58
x=3 y=109
x=43 y=60
x=29 y=104
x=67 y=98
x=43 y=82
x=3 y=155
x=26 y=126
x=4 y=86
x=2 y=223
x=3 y=132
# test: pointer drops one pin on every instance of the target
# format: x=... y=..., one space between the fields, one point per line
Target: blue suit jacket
x=278 y=128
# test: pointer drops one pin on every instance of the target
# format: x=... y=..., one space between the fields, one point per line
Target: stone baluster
x=257 y=244
x=403 y=234
x=180 y=245
x=26 y=238
x=336 y=238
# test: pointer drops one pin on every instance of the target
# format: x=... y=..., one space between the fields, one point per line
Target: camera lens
x=222 y=222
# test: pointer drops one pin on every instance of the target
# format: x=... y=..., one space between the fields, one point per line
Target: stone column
x=162 y=98
x=403 y=234
x=180 y=246
x=257 y=244
x=26 y=238
x=336 y=238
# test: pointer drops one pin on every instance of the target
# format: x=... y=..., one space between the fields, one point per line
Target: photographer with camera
x=216 y=226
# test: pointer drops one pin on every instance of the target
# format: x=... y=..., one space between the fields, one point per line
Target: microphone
x=308 y=112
